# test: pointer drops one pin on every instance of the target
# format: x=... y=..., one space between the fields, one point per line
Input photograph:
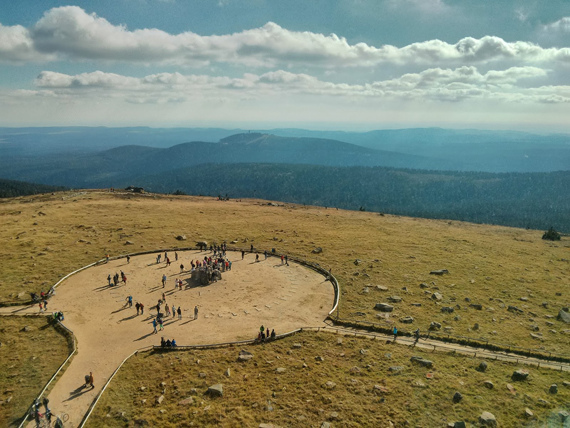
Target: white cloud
x=434 y=84
x=70 y=32
x=17 y=46
x=560 y=26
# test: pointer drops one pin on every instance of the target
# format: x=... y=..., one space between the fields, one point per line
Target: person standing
x=154 y=326
x=141 y=306
x=196 y=312
x=128 y=259
x=109 y=279
x=90 y=380
x=179 y=313
x=395 y=331
x=163 y=280
x=286 y=260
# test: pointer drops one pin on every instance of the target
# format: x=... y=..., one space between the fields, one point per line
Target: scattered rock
x=434 y=326
x=319 y=358
x=395 y=299
x=511 y=389
x=553 y=389
x=439 y=272
x=379 y=389
x=564 y=415
x=297 y=345
x=160 y=399
x=329 y=385
x=418 y=384
x=564 y=316
x=543 y=402
x=26 y=328
x=129 y=243
x=357 y=262
x=181 y=238
x=395 y=369
x=482 y=367
x=459 y=424
x=457 y=397
x=384 y=307
x=476 y=306
x=407 y=320
x=424 y=285
x=488 y=419
x=488 y=384
x=514 y=309
x=280 y=370
x=244 y=355
x=519 y=375
x=447 y=309
x=325 y=425
x=186 y=401
x=528 y=413
x=317 y=250
x=421 y=361
x=227 y=373
x=216 y=390
x=437 y=296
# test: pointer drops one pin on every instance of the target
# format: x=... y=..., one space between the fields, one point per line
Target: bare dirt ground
x=252 y=294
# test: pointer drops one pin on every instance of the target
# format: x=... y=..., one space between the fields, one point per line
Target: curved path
x=281 y=297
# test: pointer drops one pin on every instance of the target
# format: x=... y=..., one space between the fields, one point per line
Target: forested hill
x=534 y=200
x=11 y=188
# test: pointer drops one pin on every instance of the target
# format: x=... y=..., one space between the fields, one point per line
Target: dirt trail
x=253 y=293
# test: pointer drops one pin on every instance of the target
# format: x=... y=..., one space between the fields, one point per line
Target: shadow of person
x=77 y=392
x=144 y=336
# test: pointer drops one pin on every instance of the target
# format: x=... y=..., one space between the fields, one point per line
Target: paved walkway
x=440 y=346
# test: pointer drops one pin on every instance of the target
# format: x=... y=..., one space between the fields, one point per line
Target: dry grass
x=255 y=393
x=28 y=359
x=45 y=237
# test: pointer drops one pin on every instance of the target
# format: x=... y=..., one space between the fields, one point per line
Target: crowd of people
x=265 y=335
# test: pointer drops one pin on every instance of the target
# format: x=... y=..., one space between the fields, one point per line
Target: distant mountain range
x=432 y=148
x=417 y=172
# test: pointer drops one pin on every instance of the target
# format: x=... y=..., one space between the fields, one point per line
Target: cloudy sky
x=344 y=64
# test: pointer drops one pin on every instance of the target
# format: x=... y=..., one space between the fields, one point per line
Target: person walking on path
x=179 y=313
x=128 y=259
x=89 y=380
x=138 y=307
x=282 y=258
x=158 y=259
x=181 y=268
x=395 y=331
x=242 y=254
x=286 y=260
x=175 y=256
x=163 y=280
x=167 y=261
x=141 y=306
x=160 y=324
x=173 y=311
x=109 y=279
x=167 y=310
x=196 y=312
x=154 y=325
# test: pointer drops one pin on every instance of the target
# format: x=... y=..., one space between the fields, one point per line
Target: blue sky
x=346 y=64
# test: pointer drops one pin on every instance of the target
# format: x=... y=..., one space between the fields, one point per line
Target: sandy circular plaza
x=252 y=294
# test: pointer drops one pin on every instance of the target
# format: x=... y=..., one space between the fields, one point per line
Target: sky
x=315 y=64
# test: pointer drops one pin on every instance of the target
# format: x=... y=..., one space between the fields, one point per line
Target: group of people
x=115 y=279
x=264 y=334
x=167 y=343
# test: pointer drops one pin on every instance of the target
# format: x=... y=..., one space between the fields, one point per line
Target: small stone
x=334 y=416
x=395 y=299
x=434 y=326
x=528 y=413
x=447 y=309
x=216 y=390
x=381 y=288
x=227 y=373
x=511 y=389
x=160 y=399
x=457 y=397
x=244 y=355
x=519 y=375
x=319 y=358
x=421 y=361
x=482 y=367
x=395 y=369
x=384 y=307
x=553 y=389
x=379 y=389
x=563 y=415
x=407 y=320
x=280 y=370
x=297 y=345
x=330 y=385
x=488 y=384
x=186 y=401
x=488 y=419
x=437 y=296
